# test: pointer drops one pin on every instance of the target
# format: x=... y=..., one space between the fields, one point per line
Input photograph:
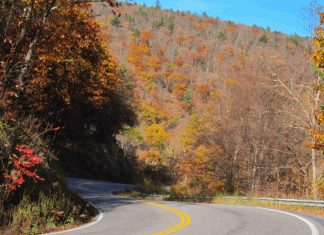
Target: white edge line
x=98 y=218
x=312 y=227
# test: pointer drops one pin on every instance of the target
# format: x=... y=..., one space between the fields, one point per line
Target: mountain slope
x=222 y=107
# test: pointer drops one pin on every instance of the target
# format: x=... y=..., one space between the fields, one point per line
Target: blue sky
x=280 y=15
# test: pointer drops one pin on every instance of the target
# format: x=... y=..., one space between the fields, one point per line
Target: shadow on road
x=99 y=193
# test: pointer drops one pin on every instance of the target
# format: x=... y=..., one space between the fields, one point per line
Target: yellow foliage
x=230 y=82
x=318 y=42
x=151 y=114
x=317 y=134
x=216 y=187
x=192 y=130
x=151 y=157
x=175 y=76
x=156 y=136
x=200 y=154
x=154 y=63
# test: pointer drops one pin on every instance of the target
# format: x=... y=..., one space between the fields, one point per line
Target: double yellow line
x=184 y=219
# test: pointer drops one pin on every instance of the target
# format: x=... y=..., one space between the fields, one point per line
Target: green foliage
x=151 y=186
x=142 y=12
x=222 y=36
x=187 y=96
x=130 y=18
x=294 y=39
x=7 y=137
x=170 y=24
x=173 y=122
x=263 y=38
x=133 y=135
x=126 y=74
x=318 y=71
x=157 y=24
x=135 y=194
x=115 y=21
x=136 y=32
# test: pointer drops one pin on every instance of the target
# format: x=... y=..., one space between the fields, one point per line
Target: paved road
x=122 y=216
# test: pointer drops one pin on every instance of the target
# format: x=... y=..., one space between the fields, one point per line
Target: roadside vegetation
x=60 y=91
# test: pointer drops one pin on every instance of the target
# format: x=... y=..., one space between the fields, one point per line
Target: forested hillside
x=222 y=107
x=139 y=94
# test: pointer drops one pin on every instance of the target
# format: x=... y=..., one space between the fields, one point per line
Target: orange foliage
x=228 y=50
x=231 y=28
x=151 y=157
x=175 y=76
x=211 y=21
x=255 y=30
x=184 y=39
x=62 y=66
x=199 y=26
x=179 y=90
x=203 y=90
x=146 y=36
x=291 y=46
x=137 y=54
x=154 y=62
x=202 y=51
x=179 y=61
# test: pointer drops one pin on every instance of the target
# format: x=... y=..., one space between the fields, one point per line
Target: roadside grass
x=311 y=210
x=50 y=212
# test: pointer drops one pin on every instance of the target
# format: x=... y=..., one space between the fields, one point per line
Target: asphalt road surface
x=121 y=216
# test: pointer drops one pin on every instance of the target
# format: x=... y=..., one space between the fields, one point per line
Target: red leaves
x=56 y=129
x=22 y=164
x=20 y=180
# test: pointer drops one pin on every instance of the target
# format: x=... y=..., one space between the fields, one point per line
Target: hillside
x=222 y=107
x=156 y=97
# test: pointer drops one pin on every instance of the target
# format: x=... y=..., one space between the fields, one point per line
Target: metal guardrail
x=301 y=202
x=317 y=203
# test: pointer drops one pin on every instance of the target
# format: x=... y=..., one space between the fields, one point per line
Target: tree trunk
x=314 y=178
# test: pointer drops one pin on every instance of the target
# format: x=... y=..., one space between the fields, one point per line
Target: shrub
x=263 y=38
x=158 y=23
x=187 y=96
x=115 y=21
x=222 y=36
x=294 y=39
x=170 y=24
x=46 y=213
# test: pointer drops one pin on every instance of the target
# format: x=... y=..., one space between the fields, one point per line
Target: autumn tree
x=316 y=131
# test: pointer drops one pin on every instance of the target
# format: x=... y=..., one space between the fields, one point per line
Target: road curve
x=121 y=216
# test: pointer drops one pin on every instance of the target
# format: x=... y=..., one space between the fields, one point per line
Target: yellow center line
x=184 y=219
